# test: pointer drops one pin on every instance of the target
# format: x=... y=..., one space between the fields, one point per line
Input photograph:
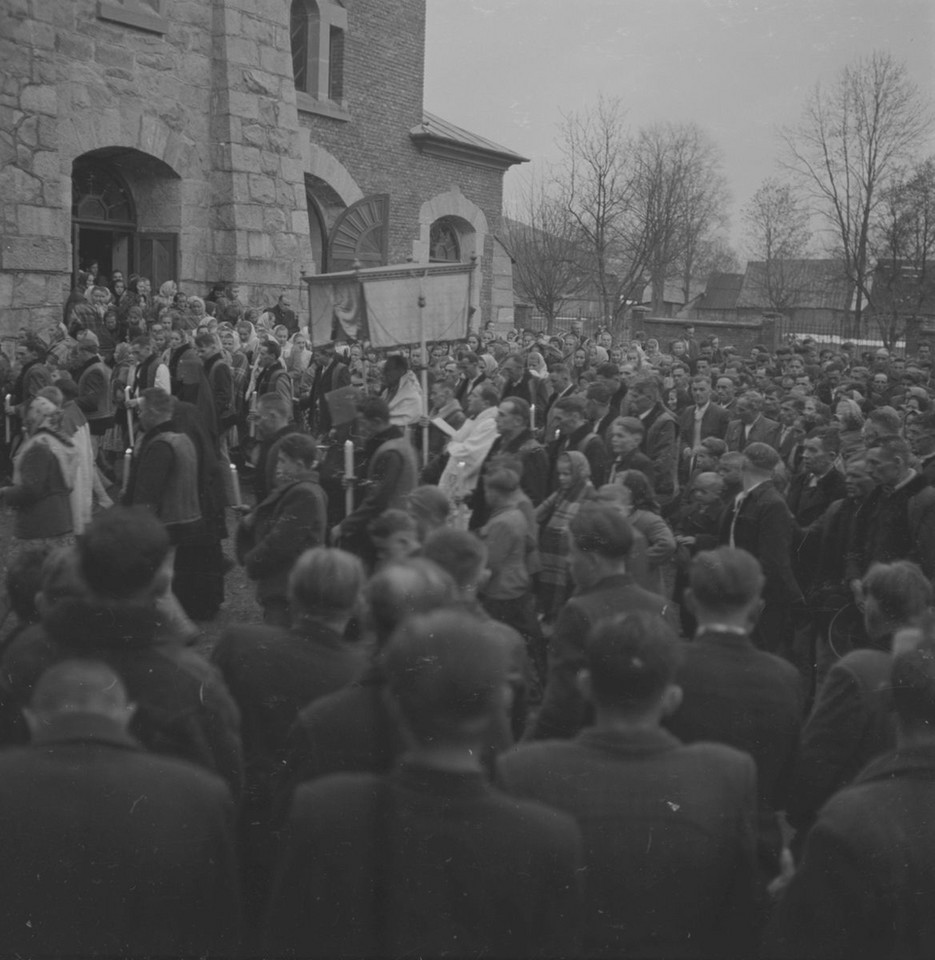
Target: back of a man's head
x=760 y=458
x=458 y=553
x=326 y=583
x=725 y=579
x=122 y=552
x=77 y=687
x=896 y=594
x=403 y=589
x=445 y=671
x=631 y=659
x=601 y=528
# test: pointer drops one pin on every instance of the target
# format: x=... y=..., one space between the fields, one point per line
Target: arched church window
x=98 y=195
x=444 y=242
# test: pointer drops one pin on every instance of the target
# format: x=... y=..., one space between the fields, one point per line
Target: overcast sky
x=509 y=69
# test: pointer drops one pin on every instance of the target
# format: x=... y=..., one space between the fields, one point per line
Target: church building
x=248 y=141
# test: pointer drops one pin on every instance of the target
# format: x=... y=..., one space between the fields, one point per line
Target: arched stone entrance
x=126 y=214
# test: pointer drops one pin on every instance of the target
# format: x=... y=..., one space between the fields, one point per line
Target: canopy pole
x=425 y=369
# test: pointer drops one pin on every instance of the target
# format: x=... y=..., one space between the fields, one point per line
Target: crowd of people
x=568 y=646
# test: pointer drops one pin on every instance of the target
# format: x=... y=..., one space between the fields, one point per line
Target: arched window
x=99 y=196
x=317 y=32
x=444 y=242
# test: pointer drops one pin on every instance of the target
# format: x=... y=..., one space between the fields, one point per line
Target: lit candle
x=348 y=475
x=235 y=484
x=127 y=460
x=6 y=411
x=532 y=416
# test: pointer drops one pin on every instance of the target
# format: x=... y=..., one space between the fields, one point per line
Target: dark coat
x=713 y=423
x=535 y=475
x=583 y=440
x=655 y=817
x=734 y=693
x=851 y=723
x=765 y=528
x=808 y=505
x=564 y=711
x=267 y=455
x=109 y=850
x=288 y=522
x=660 y=444
x=763 y=430
x=183 y=707
x=424 y=863
x=866 y=884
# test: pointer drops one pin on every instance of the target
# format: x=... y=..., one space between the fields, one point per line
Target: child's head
x=394 y=536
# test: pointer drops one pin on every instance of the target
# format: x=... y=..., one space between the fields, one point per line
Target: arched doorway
x=126 y=214
x=103 y=219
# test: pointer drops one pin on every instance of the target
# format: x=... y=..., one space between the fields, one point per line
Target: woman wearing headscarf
x=644 y=515
x=851 y=418
x=553 y=516
x=44 y=474
x=166 y=297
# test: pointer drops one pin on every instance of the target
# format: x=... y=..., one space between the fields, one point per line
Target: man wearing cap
x=284 y=315
x=609 y=375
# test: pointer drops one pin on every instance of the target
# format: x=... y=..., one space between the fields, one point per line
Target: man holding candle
x=390 y=474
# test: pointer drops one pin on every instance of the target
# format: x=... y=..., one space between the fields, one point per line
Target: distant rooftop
x=436 y=135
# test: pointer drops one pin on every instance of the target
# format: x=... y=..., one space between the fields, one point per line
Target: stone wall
x=740 y=334
x=194 y=104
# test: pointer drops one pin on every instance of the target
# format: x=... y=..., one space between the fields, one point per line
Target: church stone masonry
x=238 y=140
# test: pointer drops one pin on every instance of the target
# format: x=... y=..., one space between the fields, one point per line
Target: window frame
x=325 y=47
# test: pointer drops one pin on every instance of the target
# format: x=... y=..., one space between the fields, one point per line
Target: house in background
x=231 y=141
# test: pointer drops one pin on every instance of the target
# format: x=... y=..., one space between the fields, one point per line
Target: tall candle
x=6 y=417
x=235 y=485
x=127 y=460
x=532 y=416
x=348 y=475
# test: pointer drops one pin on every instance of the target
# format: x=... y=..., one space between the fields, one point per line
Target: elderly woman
x=44 y=474
x=553 y=515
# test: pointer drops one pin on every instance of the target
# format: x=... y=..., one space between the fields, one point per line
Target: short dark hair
x=575 y=405
x=609 y=371
x=458 y=552
x=398 y=361
x=900 y=589
x=598 y=392
x=602 y=529
x=761 y=456
x=727 y=578
x=121 y=551
x=272 y=346
x=301 y=447
x=503 y=480
x=403 y=589
x=632 y=658
x=85 y=686
x=445 y=670
x=326 y=581
x=631 y=424
x=488 y=393
x=893 y=447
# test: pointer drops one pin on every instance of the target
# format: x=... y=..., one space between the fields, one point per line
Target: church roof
x=435 y=135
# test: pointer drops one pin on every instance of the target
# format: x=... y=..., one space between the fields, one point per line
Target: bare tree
x=599 y=189
x=853 y=137
x=549 y=263
x=776 y=222
x=904 y=246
